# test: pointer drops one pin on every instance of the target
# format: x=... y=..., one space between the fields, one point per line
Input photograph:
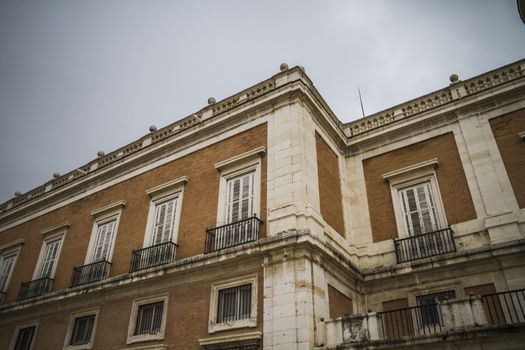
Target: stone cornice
x=455 y=92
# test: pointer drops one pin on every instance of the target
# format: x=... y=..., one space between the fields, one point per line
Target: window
x=49 y=256
x=233 y=304
x=419 y=209
x=416 y=199
x=81 y=330
x=163 y=226
x=8 y=255
x=240 y=187
x=239 y=202
x=104 y=233
x=430 y=312
x=148 y=319
x=24 y=336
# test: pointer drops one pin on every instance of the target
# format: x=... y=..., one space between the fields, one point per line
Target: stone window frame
x=19 y=327
x=132 y=338
x=159 y=194
x=57 y=232
x=72 y=319
x=102 y=216
x=251 y=322
x=6 y=251
x=410 y=176
x=239 y=165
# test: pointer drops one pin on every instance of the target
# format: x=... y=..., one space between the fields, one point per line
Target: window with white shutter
x=164 y=221
x=419 y=209
x=6 y=266
x=240 y=200
x=50 y=257
x=104 y=241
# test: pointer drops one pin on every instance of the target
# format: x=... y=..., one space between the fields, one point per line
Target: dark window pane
x=82 y=330
x=149 y=318
x=25 y=338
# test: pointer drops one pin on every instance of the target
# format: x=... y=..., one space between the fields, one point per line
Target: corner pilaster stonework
x=501 y=207
x=293 y=194
x=294 y=300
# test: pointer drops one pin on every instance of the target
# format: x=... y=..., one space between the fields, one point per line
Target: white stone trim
x=101 y=216
x=20 y=327
x=230 y=338
x=522 y=136
x=410 y=176
x=108 y=209
x=167 y=188
x=59 y=227
x=251 y=322
x=72 y=319
x=12 y=245
x=242 y=164
x=133 y=319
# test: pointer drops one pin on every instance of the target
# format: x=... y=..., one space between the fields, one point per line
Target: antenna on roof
x=361 y=101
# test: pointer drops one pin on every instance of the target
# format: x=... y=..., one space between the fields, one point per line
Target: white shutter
x=49 y=258
x=164 y=221
x=419 y=209
x=240 y=198
x=104 y=240
x=5 y=270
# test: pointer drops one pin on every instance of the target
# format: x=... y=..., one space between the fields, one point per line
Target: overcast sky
x=81 y=76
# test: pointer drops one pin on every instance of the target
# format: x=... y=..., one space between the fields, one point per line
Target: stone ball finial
x=56 y=174
x=454 y=78
x=211 y=100
x=152 y=128
x=283 y=67
x=101 y=153
x=17 y=194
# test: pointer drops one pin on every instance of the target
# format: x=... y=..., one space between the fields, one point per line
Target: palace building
x=262 y=221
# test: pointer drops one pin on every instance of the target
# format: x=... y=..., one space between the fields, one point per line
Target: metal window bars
x=234 y=234
x=89 y=273
x=157 y=255
x=424 y=245
x=412 y=321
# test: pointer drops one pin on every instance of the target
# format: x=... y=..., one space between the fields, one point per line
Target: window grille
x=82 y=330
x=430 y=313
x=149 y=318
x=234 y=303
x=24 y=339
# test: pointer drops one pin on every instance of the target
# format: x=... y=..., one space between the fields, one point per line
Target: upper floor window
x=419 y=209
x=416 y=199
x=8 y=256
x=104 y=232
x=164 y=221
x=240 y=187
x=50 y=252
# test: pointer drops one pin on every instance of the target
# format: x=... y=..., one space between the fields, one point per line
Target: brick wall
x=199 y=210
x=450 y=175
x=512 y=149
x=329 y=185
x=339 y=304
x=186 y=322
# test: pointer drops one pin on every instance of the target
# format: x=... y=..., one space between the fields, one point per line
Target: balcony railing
x=411 y=321
x=505 y=307
x=89 y=273
x=157 y=255
x=233 y=234
x=35 y=288
x=424 y=245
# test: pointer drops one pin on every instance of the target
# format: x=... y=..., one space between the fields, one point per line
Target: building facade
x=263 y=222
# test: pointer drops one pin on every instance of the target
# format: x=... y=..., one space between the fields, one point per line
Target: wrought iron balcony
x=412 y=321
x=505 y=308
x=93 y=272
x=35 y=288
x=233 y=234
x=424 y=245
x=157 y=255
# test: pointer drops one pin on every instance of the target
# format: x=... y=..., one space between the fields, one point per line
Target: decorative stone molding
x=230 y=338
x=168 y=187
x=108 y=208
x=59 y=227
x=244 y=157
x=224 y=106
x=12 y=245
